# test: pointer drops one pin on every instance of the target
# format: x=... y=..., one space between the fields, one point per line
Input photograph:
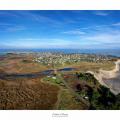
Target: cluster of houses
x=49 y=58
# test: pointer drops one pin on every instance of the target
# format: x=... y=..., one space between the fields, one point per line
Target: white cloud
x=39 y=18
x=116 y=24
x=8 y=13
x=5 y=24
x=74 y=32
x=38 y=43
x=103 y=40
x=15 y=28
x=101 y=13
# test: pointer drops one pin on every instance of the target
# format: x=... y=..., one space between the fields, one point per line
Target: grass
x=99 y=96
x=68 y=102
x=85 y=66
x=19 y=66
x=52 y=80
x=27 y=94
x=35 y=94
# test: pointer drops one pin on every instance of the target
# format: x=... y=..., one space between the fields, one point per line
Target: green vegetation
x=104 y=99
x=61 y=90
x=87 y=77
x=26 y=61
x=68 y=101
x=100 y=97
x=53 y=79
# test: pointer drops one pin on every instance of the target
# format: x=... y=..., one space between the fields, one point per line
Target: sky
x=60 y=29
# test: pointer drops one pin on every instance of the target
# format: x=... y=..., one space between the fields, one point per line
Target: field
x=93 y=66
x=27 y=94
x=22 y=87
x=20 y=64
x=68 y=102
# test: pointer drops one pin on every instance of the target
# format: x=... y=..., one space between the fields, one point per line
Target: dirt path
x=56 y=107
x=86 y=103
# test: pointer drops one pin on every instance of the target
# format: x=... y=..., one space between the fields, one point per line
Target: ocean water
x=113 y=52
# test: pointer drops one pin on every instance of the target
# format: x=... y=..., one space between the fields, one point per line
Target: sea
x=112 y=52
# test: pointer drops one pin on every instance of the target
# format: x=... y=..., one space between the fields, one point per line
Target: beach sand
x=110 y=79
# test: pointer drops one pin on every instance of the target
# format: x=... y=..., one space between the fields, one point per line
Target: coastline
x=110 y=79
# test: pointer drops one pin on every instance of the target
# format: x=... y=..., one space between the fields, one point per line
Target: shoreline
x=109 y=79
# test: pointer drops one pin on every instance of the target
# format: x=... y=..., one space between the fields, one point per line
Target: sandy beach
x=110 y=79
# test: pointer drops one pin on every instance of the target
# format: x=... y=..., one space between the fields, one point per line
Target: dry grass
x=92 y=66
x=18 y=66
x=27 y=94
x=68 y=102
x=34 y=94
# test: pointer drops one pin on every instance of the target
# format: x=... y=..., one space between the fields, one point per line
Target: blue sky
x=60 y=29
